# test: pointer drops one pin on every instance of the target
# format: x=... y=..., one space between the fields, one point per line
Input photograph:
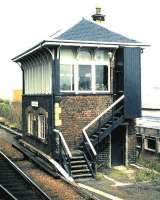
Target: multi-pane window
x=85 y=77
x=66 y=77
x=41 y=126
x=101 y=77
x=84 y=70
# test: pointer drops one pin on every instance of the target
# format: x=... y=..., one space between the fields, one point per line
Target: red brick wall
x=78 y=111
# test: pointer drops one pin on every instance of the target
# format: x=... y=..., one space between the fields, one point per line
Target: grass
x=153 y=164
x=99 y=176
x=145 y=175
x=118 y=175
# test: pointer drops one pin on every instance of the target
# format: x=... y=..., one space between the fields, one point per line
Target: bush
x=11 y=112
x=5 y=109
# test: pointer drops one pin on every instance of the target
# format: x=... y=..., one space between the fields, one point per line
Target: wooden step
x=80 y=170
x=77 y=157
x=79 y=166
x=77 y=161
x=82 y=175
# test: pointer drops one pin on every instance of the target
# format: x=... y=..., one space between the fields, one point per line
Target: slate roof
x=86 y=30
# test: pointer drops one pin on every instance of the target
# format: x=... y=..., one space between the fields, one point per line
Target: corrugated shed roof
x=86 y=30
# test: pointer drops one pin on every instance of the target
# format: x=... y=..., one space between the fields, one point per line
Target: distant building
x=148 y=131
x=17 y=96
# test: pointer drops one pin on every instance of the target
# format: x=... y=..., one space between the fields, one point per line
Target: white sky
x=23 y=23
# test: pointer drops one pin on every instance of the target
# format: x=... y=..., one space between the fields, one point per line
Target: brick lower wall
x=104 y=151
x=77 y=112
x=131 y=142
x=104 y=147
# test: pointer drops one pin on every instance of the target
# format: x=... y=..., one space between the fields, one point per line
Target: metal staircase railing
x=86 y=140
x=65 y=154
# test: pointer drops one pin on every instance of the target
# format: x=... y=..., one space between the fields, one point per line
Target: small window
x=102 y=77
x=41 y=126
x=66 y=77
x=84 y=77
x=150 y=144
x=30 y=124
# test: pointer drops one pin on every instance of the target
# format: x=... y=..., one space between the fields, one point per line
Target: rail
x=24 y=176
x=96 y=119
x=6 y=194
x=64 y=143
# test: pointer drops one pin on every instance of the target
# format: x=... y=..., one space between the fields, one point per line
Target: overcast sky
x=23 y=23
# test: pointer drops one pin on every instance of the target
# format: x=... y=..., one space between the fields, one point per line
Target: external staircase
x=81 y=163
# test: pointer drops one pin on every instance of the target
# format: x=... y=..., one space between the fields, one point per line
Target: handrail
x=95 y=119
x=64 y=143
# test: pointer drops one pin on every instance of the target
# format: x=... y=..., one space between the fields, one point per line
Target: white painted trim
x=95 y=119
x=64 y=142
x=76 y=63
x=95 y=43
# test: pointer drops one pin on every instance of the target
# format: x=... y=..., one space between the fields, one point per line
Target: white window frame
x=77 y=78
x=109 y=77
x=72 y=78
x=42 y=127
x=75 y=64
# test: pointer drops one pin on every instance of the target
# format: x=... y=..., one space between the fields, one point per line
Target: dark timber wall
x=45 y=102
x=132 y=82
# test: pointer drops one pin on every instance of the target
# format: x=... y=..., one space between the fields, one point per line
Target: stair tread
x=80 y=170
x=78 y=161
x=77 y=166
x=77 y=157
x=82 y=175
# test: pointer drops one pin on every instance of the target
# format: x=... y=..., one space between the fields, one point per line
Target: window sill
x=85 y=93
x=36 y=138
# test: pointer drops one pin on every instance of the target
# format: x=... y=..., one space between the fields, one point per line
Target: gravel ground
x=53 y=187
x=56 y=187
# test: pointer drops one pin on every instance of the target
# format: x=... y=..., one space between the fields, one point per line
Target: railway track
x=15 y=184
x=56 y=189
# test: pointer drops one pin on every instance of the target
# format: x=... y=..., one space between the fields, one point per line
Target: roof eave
x=75 y=43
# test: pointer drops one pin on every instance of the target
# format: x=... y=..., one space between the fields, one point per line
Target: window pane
x=66 y=77
x=101 y=77
x=84 y=56
x=66 y=55
x=41 y=126
x=84 y=77
x=101 y=55
x=151 y=143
